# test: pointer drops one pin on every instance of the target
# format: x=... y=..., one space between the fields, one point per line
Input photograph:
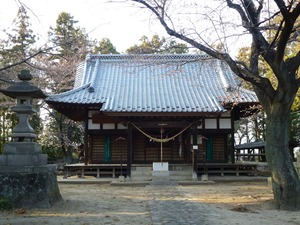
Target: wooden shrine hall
x=155 y=113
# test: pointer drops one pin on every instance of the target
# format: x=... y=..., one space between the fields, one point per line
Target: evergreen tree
x=157 y=45
x=19 y=44
x=105 y=47
x=17 y=47
x=67 y=38
x=71 y=44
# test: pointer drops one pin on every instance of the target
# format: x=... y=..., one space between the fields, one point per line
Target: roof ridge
x=147 y=56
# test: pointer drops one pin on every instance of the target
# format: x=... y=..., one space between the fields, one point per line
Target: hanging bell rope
x=163 y=140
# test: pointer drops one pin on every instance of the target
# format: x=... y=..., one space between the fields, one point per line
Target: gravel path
x=170 y=205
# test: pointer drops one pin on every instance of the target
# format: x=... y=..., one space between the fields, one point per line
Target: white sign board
x=158 y=166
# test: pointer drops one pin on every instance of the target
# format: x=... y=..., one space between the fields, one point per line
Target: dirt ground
x=235 y=203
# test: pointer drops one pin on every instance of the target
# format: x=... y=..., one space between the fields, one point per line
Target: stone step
x=141 y=168
x=171 y=172
x=181 y=172
x=180 y=168
x=175 y=173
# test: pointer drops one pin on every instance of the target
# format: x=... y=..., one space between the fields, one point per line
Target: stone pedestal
x=22 y=154
x=29 y=186
x=25 y=178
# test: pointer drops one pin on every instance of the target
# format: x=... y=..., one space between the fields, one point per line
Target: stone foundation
x=29 y=186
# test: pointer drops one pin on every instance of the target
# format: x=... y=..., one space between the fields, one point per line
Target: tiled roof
x=155 y=83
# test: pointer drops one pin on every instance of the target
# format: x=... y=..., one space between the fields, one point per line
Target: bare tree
x=255 y=19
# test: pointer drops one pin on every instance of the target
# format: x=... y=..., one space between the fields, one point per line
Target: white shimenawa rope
x=158 y=139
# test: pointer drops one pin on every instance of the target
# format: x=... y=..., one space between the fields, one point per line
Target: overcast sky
x=122 y=23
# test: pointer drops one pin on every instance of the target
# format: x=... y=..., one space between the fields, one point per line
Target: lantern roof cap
x=23 y=88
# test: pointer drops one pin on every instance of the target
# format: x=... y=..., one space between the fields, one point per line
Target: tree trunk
x=61 y=137
x=285 y=181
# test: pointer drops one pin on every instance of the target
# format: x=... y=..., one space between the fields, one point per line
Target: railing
x=229 y=169
x=98 y=170
x=241 y=155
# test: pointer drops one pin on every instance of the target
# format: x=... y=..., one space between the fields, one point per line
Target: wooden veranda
x=116 y=170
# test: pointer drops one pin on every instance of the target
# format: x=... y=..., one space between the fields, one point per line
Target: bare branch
x=25 y=59
x=244 y=74
x=285 y=32
x=282 y=7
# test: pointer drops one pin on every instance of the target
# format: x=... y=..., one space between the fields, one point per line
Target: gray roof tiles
x=155 y=83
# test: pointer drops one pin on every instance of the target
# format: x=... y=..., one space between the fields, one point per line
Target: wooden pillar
x=129 y=149
x=86 y=141
x=232 y=155
x=195 y=150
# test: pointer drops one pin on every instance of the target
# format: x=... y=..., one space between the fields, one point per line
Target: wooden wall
x=118 y=149
x=219 y=154
x=146 y=151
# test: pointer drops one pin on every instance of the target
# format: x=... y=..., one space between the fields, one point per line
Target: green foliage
x=296 y=103
x=157 y=45
x=71 y=45
x=67 y=38
x=61 y=134
x=25 y=38
x=19 y=43
x=36 y=123
x=54 y=153
x=8 y=120
x=5 y=204
x=105 y=47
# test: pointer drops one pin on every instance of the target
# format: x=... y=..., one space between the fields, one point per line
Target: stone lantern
x=23 y=150
x=25 y=177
